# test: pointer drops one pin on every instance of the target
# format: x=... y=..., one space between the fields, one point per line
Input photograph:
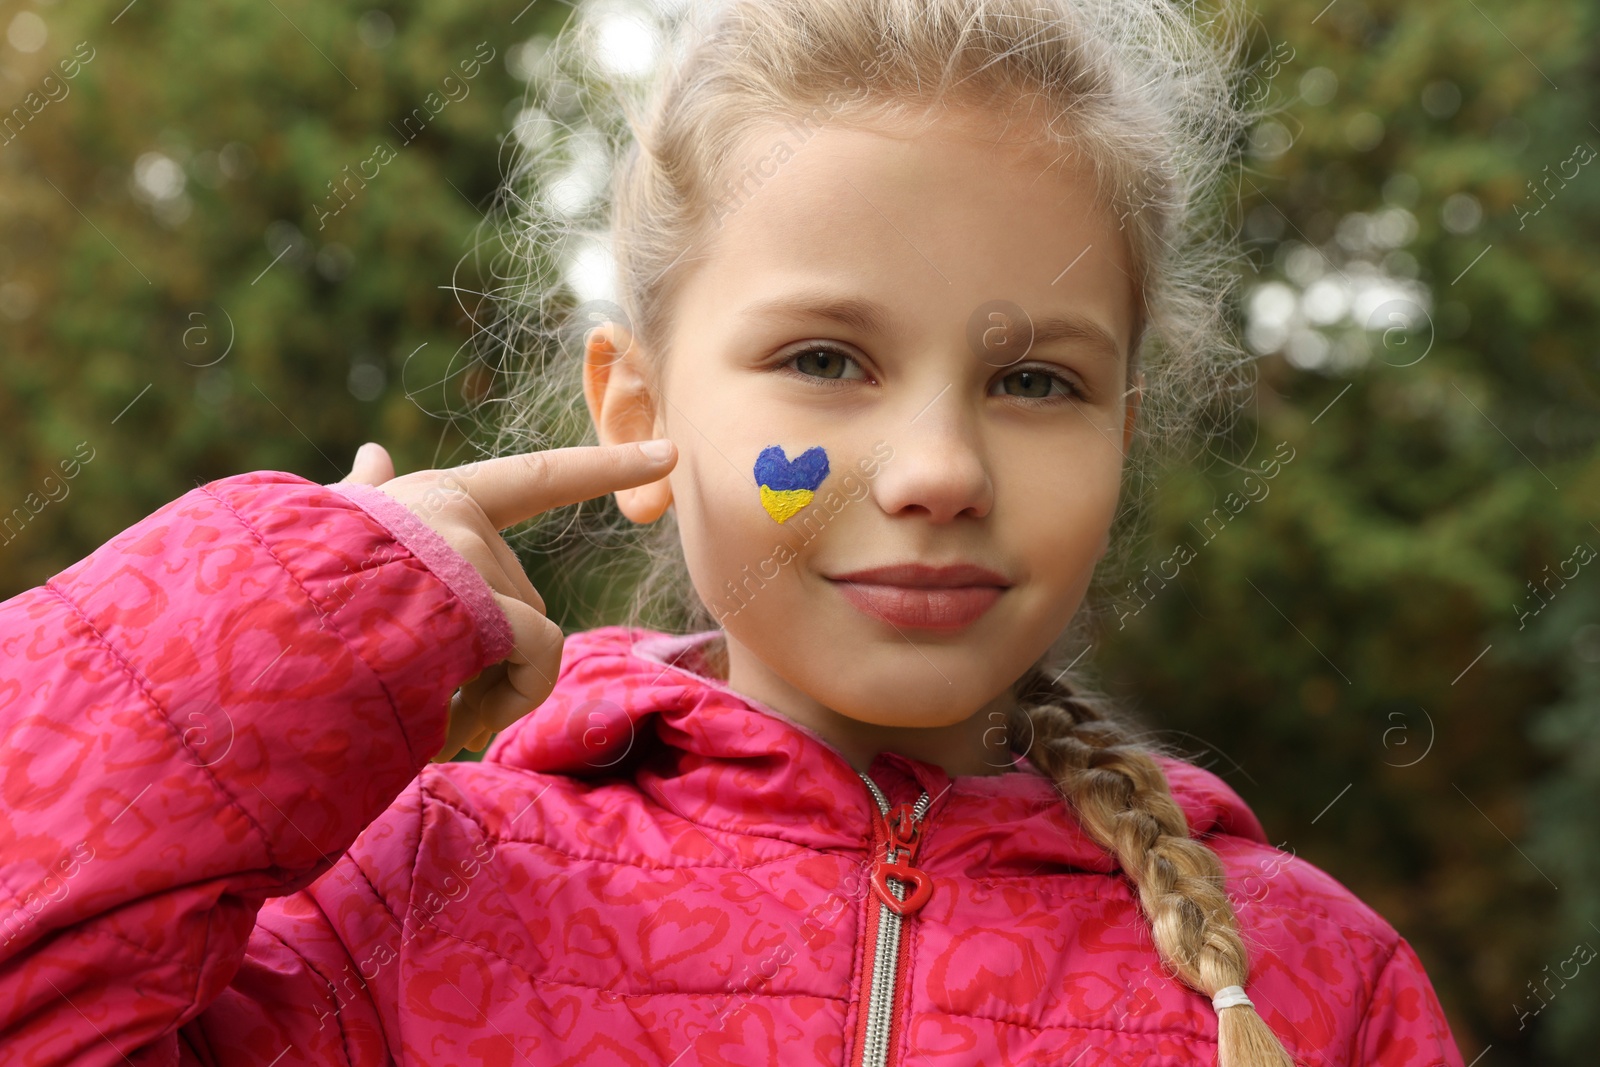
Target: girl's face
x=844 y=304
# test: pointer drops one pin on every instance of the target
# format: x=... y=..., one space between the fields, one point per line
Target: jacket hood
x=638 y=705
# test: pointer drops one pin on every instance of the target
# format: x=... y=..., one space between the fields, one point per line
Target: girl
x=900 y=282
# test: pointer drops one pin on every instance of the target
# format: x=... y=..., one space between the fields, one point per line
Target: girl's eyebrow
x=1077 y=328
x=870 y=317
x=859 y=314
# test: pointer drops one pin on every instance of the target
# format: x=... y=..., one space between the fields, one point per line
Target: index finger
x=512 y=489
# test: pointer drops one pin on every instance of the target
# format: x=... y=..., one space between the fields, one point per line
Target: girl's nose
x=939 y=468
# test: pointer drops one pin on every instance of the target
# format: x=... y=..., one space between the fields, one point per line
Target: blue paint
x=776 y=471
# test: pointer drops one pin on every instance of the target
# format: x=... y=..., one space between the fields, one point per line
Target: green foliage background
x=1357 y=652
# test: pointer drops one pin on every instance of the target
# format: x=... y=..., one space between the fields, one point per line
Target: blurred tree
x=234 y=245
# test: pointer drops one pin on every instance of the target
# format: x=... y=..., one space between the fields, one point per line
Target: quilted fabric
x=224 y=844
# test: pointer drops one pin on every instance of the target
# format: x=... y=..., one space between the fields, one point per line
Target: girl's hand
x=468 y=506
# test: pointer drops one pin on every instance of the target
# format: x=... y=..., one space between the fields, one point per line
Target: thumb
x=372 y=465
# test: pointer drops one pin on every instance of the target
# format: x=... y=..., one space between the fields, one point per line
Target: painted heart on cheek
x=789 y=485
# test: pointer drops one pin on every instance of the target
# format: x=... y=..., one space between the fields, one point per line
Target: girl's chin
x=908 y=696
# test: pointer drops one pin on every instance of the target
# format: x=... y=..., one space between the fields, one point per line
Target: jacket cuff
x=422 y=541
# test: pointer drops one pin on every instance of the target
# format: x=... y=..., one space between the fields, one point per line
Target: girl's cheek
x=787 y=486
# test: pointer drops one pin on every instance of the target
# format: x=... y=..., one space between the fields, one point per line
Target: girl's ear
x=623 y=409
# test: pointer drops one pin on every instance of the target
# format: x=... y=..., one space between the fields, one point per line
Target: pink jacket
x=223 y=844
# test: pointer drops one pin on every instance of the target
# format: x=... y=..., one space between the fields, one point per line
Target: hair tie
x=1230 y=997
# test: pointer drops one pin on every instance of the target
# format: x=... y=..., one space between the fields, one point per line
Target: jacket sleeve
x=1404 y=1025
x=200 y=715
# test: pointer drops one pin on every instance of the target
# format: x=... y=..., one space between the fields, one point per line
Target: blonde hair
x=1146 y=91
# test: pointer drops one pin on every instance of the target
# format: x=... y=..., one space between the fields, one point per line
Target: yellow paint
x=782 y=504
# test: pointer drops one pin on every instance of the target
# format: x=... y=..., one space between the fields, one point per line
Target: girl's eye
x=1036 y=383
x=821 y=362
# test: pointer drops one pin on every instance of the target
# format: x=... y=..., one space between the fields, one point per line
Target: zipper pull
x=905 y=834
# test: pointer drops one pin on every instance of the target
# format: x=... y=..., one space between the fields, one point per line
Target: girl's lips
x=946 y=608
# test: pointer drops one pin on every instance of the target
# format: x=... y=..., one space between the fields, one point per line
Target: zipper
x=891 y=875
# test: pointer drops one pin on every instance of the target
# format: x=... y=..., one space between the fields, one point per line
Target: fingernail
x=658 y=450
x=363 y=450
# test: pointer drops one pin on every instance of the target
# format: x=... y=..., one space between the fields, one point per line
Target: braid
x=1123 y=800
